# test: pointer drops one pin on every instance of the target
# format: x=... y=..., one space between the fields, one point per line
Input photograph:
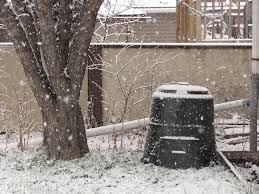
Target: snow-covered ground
x=107 y=170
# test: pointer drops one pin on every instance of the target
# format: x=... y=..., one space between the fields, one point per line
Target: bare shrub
x=16 y=109
x=128 y=83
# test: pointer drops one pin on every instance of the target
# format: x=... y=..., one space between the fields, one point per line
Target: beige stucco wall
x=224 y=70
x=10 y=64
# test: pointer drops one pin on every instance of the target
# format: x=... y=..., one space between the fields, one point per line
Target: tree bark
x=64 y=128
x=55 y=68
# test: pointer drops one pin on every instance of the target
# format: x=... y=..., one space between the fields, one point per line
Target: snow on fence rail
x=208 y=43
x=140 y=123
x=117 y=127
x=231 y=104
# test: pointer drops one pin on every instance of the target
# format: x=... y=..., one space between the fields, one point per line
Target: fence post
x=198 y=21
x=222 y=18
x=238 y=19
x=255 y=78
x=213 y=19
x=205 y=20
x=230 y=20
x=178 y=22
x=184 y=24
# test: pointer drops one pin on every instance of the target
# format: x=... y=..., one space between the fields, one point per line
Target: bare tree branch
x=81 y=39
x=50 y=40
x=33 y=69
x=57 y=80
x=29 y=25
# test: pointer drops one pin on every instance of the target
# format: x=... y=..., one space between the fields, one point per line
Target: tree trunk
x=64 y=130
x=53 y=46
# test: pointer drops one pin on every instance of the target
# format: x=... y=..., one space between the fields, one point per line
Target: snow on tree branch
x=34 y=70
x=82 y=34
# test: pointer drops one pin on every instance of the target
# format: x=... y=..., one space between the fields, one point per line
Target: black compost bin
x=181 y=133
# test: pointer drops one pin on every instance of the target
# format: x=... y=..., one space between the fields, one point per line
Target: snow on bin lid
x=182 y=90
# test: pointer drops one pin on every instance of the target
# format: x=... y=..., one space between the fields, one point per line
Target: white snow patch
x=23 y=44
x=107 y=171
x=135 y=7
x=66 y=73
x=182 y=90
x=22 y=83
x=180 y=138
x=66 y=99
x=178 y=152
x=8 y=3
x=70 y=137
x=45 y=124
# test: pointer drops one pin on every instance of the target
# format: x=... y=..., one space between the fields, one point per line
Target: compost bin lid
x=182 y=90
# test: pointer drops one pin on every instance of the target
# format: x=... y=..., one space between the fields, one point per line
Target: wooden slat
x=185 y=22
x=221 y=6
x=241 y=157
x=198 y=21
x=205 y=20
x=230 y=20
x=178 y=27
x=185 y=29
x=232 y=168
x=238 y=19
x=245 y=19
x=213 y=21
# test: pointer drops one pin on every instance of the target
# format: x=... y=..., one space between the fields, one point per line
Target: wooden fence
x=199 y=20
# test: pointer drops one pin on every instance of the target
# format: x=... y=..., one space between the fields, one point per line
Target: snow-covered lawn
x=107 y=170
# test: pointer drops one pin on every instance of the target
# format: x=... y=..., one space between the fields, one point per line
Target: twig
x=234 y=171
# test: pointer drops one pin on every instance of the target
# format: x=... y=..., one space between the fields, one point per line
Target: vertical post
x=178 y=22
x=245 y=20
x=95 y=95
x=213 y=17
x=238 y=19
x=186 y=21
x=221 y=22
x=189 y=31
x=205 y=20
x=127 y=32
x=198 y=21
x=255 y=78
x=181 y=21
x=230 y=20
x=192 y=22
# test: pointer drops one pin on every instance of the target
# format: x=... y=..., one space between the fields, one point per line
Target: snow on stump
x=181 y=133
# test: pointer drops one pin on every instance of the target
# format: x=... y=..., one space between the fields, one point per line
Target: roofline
x=160 y=45
x=173 y=45
x=158 y=7
x=160 y=10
